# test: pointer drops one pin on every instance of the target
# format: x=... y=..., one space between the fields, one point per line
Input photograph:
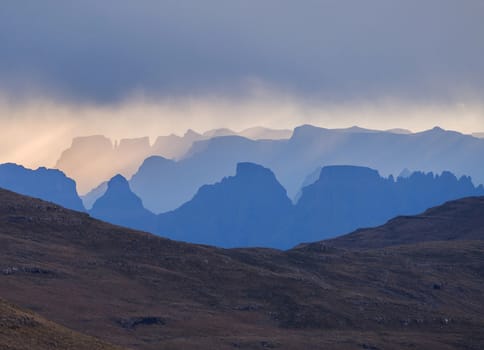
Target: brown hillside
x=145 y=292
x=455 y=220
x=24 y=330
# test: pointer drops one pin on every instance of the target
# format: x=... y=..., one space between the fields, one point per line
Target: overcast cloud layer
x=104 y=51
x=151 y=67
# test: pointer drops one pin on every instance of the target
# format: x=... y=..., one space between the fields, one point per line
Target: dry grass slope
x=24 y=330
x=144 y=292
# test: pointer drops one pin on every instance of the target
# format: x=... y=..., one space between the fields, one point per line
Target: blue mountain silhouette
x=248 y=209
x=345 y=198
x=94 y=159
x=252 y=208
x=309 y=148
x=120 y=206
x=48 y=184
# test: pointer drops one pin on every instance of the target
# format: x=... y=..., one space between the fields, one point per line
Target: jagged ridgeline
x=91 y=160
x=164 y=181
x=252 y=208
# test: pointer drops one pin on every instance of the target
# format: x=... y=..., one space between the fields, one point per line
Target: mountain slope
x=455 y=220
x=92 y=196
x=146 y=292
x=24 y=330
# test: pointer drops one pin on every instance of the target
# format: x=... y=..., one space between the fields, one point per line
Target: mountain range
x=346 y=198
x=169 y=173
x=415 y=282
x=165 y=184
x=91 y=160
x=252 y=208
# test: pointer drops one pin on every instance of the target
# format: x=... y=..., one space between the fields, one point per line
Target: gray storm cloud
x=106 y=50
x=147 y=68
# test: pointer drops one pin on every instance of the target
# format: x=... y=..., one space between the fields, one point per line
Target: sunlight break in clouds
x=35 y=131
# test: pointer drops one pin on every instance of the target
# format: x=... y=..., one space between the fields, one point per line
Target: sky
x=147 y=67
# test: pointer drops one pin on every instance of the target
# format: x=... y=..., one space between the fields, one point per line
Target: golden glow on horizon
x=35 y=132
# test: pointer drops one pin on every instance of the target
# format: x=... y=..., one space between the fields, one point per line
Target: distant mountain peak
x=250 y=208
x=155 y=160
x=140 y=142
x=121 y=206
x=118 y=182
x=307 y=127
x=251 y=169
x=191 y=133
x=218 y=133
x=356 y=128
x=118 y=192
x=437 y=130
x=91 y=139
x=347 y=172
x=399 y=131
x=305 y=131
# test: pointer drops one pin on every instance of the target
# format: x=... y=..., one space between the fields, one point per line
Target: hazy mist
x=34 y=132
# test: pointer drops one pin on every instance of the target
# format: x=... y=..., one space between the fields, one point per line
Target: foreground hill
x=455 y=220
x=145 y=292
x=24 y=330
